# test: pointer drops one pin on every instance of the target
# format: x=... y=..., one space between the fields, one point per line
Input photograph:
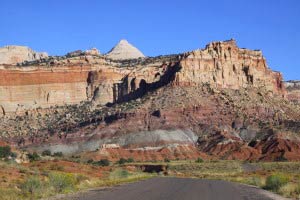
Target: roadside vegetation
x=282 y=178
x=49 y=174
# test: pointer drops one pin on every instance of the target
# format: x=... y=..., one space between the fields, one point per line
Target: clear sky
x=156 y=26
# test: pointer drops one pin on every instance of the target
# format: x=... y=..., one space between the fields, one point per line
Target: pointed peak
x=123 y=41
x=124 y=50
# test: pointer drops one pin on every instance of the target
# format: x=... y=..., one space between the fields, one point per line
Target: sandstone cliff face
x=92 y=77
x=18 y=54
x=222 y=101
x=224 y=65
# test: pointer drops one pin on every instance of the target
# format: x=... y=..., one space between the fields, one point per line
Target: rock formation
x=78 y=78
x=93 y=52
x=18 y=54
x=124 y=50
x=293 y=90
x=220 y=101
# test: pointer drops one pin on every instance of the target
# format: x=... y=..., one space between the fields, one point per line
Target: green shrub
x=58 y=154
x=46 y=153
x=102 y=162
x=119 y=174
x=275 y=181
x=90 y=161
x=80 y=178
x=62 y=181
x=31 y=186
x=167 y=160
x=124 y=174
x=297 y=189
x=13 y=154
x=122 y=161
x=33 y=156
x=130 y=160
x=199 y=160
x=57 y=167
x=5 y=151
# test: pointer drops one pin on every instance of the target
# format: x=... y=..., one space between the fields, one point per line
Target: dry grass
x=86 y=176
x=40 y=179
x=233 y=171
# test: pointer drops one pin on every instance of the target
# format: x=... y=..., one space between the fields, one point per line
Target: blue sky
x=156 y=26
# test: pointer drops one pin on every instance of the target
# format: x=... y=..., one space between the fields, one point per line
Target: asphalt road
x=177 y=189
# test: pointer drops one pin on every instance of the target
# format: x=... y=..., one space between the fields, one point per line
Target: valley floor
x=45 y=178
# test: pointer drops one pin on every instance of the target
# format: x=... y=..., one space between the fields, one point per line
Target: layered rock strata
x=221 y=102
x=74 y=79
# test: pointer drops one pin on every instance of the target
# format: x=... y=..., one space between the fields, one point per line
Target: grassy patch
x=62 y=182
x=211 y=170
x=9 y=194
x=279 y=177
x=276 y=181
x=41 y=179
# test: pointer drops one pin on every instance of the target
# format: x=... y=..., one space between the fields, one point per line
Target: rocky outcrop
x=223 y=64
x=18 y=54
x=93 y=52
x=123 y=51
x=293 y=90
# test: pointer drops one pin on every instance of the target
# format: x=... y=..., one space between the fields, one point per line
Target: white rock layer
x=17 y=54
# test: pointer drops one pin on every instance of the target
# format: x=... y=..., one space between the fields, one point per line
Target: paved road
x=177 y=189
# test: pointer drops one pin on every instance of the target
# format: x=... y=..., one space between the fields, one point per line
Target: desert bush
x=62 y=181
x=130 y=160
x=58 y=154
x=288 y=189
x=80 y=178
x=46 y=153
x=33 y=156
x=199 y=160
x=297 y=190
x=9 y=194
x=31 y=186
x=119 y=174
x=102 y=162
x=124 y=173
x=257 y=181
x=90 y=161
x=167 y=160
x=13 y=154
x=122 y=161
x=5 y=151
x=275 y=181
x=57 y=167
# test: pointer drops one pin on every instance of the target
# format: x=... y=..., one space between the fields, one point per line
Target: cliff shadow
x=121 y=93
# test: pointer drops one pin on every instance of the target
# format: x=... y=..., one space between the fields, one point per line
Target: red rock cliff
x=75 y=79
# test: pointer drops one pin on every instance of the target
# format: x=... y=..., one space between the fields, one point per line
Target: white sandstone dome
x=16 y=54
x=123 y=51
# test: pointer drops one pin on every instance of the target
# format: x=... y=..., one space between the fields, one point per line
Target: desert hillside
x=221 y=102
